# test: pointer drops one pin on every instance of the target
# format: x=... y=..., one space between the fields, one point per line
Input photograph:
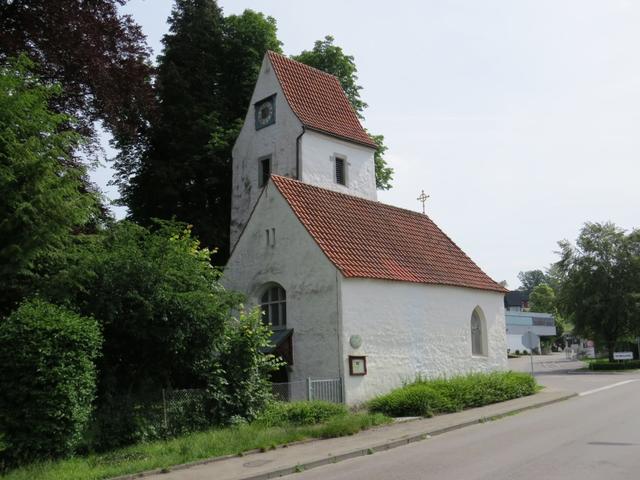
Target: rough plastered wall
x=317 y=164
x=409 y=329
x=296 y=263
x=277 y=140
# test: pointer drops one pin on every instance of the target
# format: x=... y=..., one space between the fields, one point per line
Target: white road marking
x=613 y=385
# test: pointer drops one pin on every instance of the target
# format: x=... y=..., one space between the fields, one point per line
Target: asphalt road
x=592 y=436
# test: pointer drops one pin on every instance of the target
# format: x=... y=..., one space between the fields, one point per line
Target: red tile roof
x=318 y=100
x=369 y=239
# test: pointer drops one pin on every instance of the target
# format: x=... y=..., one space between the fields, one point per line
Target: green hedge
x=431 y=397
x=279 y=414
x=606 y=365
x=47 y=381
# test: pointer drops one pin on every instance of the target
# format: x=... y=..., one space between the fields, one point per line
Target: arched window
x=274 y=306
x=478 y=334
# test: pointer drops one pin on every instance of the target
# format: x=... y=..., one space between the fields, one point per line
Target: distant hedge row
x=431 y=397
x=606 y=365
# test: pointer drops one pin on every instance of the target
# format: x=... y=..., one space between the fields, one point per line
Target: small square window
x=341 y=177
x=265 y=170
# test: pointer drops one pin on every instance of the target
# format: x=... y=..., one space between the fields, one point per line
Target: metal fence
x=327 y=389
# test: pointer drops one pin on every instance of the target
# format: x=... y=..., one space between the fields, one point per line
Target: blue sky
x=519 y=118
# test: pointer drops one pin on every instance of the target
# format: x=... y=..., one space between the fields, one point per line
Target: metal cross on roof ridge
x=423 y=198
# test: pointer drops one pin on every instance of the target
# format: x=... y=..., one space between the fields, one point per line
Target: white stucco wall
x=299 y=266
x=277 y=140
x=317 y=164
x=409 y=329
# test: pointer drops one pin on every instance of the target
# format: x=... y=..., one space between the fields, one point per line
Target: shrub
x=158 y=301
x=48 y=377
x=300 y=413
x=517 y=352
x=431 y=397
x=239 y=385
x=606 y=365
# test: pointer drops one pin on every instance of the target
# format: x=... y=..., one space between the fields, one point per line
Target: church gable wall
x=277 y=141
x=409 y=329
x=318 y=153
x=297 y=264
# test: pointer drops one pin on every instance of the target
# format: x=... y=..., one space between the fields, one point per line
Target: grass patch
x=431 y=397
x=299 y=421
x=300 y=413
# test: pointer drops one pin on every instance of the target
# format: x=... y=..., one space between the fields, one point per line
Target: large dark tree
x=206 y=74
x=331 y=58
x=600 y=283
x=98 y=56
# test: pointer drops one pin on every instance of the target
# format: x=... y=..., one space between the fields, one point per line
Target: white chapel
x=353 y=289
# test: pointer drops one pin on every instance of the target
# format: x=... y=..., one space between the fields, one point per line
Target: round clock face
x=265 y=113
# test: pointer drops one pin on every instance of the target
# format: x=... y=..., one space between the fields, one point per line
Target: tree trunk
x=611 y=345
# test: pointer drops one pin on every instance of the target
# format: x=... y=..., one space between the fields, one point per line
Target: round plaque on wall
x=355 y=341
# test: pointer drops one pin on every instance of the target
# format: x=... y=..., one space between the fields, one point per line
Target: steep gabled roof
x=318 y=100
x=368 y=239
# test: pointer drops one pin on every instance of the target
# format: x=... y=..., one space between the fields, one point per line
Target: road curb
x=361 y=452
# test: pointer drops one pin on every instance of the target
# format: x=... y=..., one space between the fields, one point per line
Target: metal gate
x=328 y=389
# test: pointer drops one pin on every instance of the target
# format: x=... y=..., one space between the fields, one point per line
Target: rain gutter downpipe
x=298 y=152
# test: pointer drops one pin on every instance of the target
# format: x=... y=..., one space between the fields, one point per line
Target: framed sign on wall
x=357 y=365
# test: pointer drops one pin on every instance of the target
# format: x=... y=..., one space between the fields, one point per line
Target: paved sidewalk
x=306 y=455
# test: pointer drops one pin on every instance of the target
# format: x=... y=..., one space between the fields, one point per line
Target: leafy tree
x=384 y=173
x=98 y=56
x=330 y=58
x=47 y=380
x=600 y=282
x=157 y=299
x=42 y=200
x=206 y=74
x=542 y=299
x=531 y=279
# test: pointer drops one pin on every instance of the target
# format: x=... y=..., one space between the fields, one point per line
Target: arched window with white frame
x=478 y=333
x=273 y=303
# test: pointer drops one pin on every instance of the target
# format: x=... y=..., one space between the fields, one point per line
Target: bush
x=279 y=414
x=606 y=365
x=48 y=380
x=239 y=386
x=431 y=397
x=158 y=301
